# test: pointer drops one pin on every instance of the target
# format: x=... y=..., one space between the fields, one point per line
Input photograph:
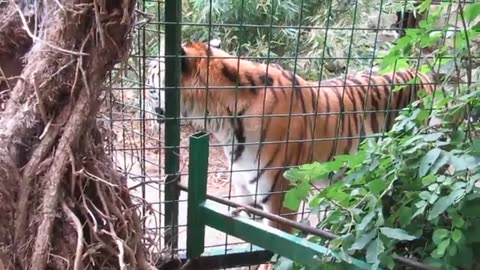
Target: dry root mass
x=62 y=204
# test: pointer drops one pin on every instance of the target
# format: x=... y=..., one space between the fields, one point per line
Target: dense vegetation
x=414 y=192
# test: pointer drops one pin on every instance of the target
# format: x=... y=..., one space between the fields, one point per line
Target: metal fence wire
x=256 y=134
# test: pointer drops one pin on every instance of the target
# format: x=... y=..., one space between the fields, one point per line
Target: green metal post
x=173 y=9
x=197 y=186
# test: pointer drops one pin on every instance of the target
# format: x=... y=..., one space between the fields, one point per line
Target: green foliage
x=412 y=192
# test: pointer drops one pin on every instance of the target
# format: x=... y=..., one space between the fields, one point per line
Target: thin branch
x=78 y=226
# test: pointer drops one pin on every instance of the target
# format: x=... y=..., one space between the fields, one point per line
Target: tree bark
x=62 y=202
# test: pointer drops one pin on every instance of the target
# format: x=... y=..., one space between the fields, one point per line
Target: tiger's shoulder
x=202 y=58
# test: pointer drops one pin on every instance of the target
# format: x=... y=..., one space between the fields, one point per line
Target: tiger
x=155 y=94
x=312 y=121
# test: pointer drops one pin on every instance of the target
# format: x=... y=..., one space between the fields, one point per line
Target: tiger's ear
x=216 y=42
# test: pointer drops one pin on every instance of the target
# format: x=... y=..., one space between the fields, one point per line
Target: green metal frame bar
x=173 y=13
x=218 y=260
x=203 y=212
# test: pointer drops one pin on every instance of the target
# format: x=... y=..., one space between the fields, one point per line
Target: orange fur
x=286 y=140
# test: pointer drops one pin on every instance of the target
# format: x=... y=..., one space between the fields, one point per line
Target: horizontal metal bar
x=219 y=258
x=300 y=226
x=329 y=58
x=218 y=261
x=279 y=242
x=276 y=26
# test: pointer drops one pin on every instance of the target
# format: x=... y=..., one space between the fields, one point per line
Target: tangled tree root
x=63 y=205
x=14 y=44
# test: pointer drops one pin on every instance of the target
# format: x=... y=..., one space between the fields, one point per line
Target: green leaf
x=471 y=12
x=428 y=160
x=284 y=264
x=424 y=5
x=432 y=137
x=421 y=206
x=425 y=195
x=296 y=195
x=441 y=161
x=439 y=235
x=442 y=247
x=405 y=215
x=362 y=225
x=433 y=187
x=439 y=207
x=292 y=200
x=444 y=202
x=375 y=248
x=428 y=179
x=377 y=186
x=437 y=254
x=334 y=192
x=458 y=136
x=398 y=234
x=293 y=175
x=457 y=235
x=452 y=250
x=364 y=240
x=458 y=221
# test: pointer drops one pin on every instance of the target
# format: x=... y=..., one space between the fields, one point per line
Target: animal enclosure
x=306 y=41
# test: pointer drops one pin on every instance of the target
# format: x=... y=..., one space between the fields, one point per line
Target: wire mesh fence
x=305 y=41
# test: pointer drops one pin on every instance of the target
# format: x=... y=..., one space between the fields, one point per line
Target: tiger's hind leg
x=274 y=204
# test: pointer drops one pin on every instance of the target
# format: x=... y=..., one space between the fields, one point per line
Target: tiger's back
x=362 y=104
x=318 y=120
x=270 y=119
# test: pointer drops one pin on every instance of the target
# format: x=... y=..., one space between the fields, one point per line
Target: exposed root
x=63 y=204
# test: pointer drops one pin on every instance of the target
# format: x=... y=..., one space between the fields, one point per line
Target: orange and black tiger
x=273 y=119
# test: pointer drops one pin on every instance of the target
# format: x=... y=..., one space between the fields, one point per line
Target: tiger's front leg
x=242 y=194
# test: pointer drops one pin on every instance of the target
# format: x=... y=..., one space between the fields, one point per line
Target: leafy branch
x=413 y=192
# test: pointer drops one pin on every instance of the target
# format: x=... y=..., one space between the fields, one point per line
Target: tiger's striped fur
x=309 y=116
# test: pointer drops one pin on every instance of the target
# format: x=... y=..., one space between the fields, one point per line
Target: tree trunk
x=63 y=204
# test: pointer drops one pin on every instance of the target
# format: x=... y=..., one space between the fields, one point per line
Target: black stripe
x=267 y=80
x=360 y=98
x=253 y=84
x=353 y=114
x=184 y=61
x=209 y=50
x=232 y=75
x=256 y=205
x=376 y=99
x=287 y=74
x=260 y=173
x=238 y=130
x=313 y=99
x=349 y=133
x=327 y=109
x=277 y=176
x=397 y=96
x=301 y=98
x=362 y=89
x=340 y=118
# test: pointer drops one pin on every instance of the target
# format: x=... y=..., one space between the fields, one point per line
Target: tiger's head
x=155 y=83
x=212 y=77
